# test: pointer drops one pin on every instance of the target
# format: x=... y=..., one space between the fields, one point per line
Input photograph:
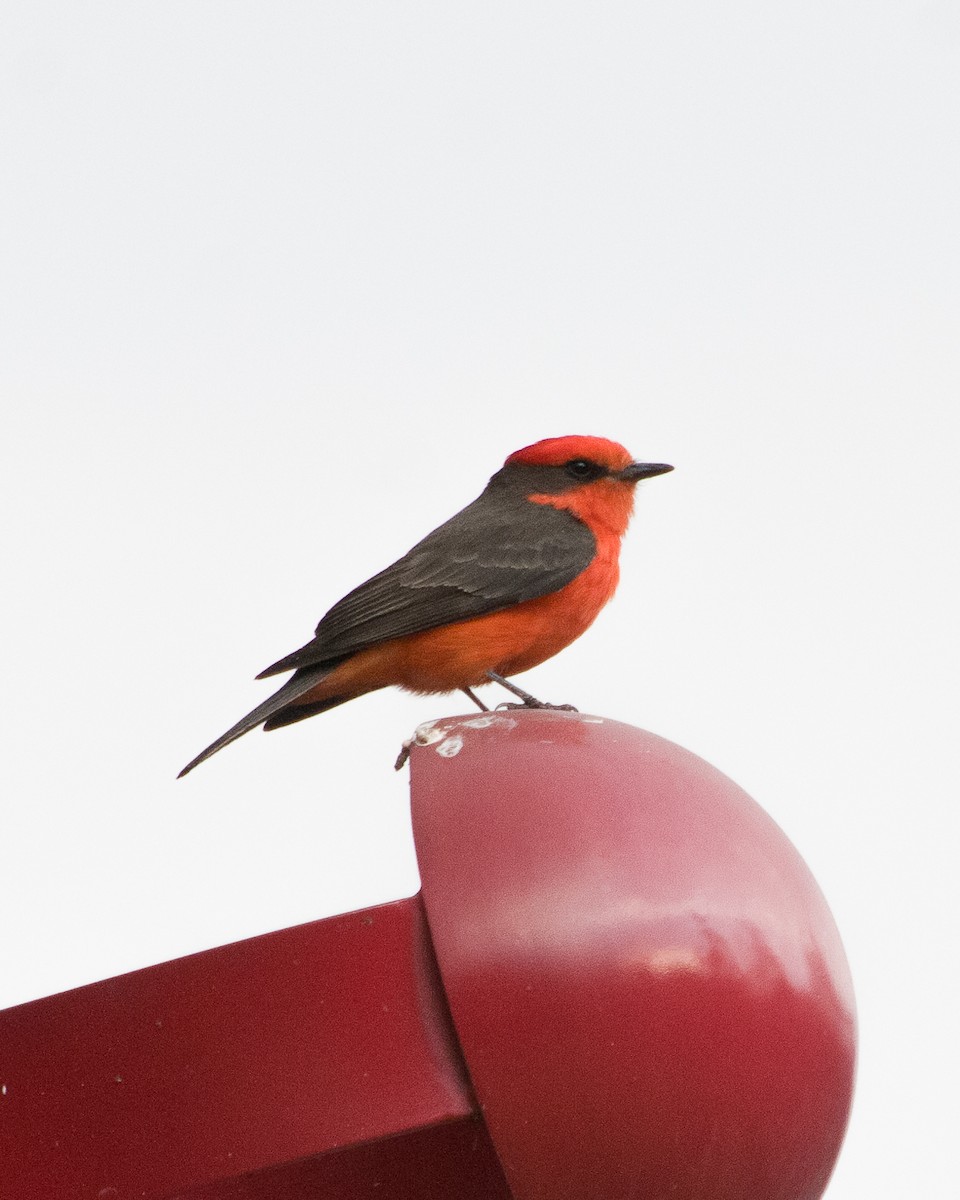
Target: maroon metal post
x=648 y=997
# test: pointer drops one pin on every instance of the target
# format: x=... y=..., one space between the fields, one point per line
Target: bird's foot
x=534 y=703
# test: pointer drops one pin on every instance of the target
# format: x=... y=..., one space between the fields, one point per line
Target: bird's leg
x=528 y=701
x=476 y=699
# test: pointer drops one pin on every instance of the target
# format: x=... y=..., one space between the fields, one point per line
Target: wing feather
x=497 y=552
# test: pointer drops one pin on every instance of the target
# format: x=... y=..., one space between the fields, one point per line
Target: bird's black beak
x=637 y=471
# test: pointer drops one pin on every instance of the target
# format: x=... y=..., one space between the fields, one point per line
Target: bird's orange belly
x=461 y=654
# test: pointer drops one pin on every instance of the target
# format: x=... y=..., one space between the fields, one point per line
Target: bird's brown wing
x=491 y=555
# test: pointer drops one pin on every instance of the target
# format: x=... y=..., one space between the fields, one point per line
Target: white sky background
x=283 y=284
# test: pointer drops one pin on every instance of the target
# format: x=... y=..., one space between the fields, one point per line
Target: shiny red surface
x=261 y=1055
x=648 y=987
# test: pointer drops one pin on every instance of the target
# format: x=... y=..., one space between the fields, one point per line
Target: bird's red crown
x=554 y=452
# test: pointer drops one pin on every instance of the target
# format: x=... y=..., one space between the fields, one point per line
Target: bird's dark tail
x=272 y=707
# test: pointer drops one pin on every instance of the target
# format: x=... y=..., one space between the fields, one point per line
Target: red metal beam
x=247 y=1057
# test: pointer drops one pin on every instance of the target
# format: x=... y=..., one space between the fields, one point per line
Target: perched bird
x=505 y=584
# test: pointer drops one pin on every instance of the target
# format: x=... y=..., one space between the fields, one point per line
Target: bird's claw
x=507 y=707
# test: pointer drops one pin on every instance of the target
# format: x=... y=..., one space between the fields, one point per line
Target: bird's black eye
x=582 y=469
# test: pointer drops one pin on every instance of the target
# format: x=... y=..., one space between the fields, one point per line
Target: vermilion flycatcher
x=505 y=584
